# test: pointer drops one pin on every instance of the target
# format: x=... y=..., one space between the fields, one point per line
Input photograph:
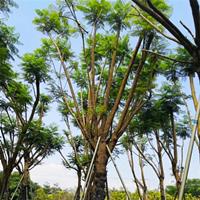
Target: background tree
x=127 y=144
x=192 y=187
x=14 y=183
x=41 y=141
x=18 y=108
x=154 y=132
x=169 y=103
x=78 y=160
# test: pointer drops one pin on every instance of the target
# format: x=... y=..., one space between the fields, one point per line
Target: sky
x=51 y=171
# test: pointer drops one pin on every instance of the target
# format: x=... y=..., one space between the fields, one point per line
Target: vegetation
x=47 y=192
x=107 y=90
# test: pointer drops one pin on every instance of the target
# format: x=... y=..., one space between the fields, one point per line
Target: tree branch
x=161 y=18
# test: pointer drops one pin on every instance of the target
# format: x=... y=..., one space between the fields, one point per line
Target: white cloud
x=50 y=173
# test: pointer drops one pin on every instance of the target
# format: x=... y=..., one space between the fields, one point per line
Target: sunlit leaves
x=20 y=95
x=95 y=11
x=8 y=40
x=119 y=16
x=35 y=67
x=49 y=20
x=43 y=137
x=142 y=24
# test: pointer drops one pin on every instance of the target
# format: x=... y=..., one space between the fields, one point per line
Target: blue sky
x=52 y=171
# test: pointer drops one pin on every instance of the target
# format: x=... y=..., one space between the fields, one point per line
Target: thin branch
x=154 y=26
x=188 y=30
x=165 y=57
x=161 y=18
x=66 y=74
x=147 y=160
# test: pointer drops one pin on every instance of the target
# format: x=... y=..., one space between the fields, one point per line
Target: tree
x=192 y=187
x=80 y=157
x=52 y=193
x=6 y=4
x=14 y=182
x=142 y=132
x=169 y=103
x=78 y=160
x=18 y=108
x=127 y=144
x=154 y=131
x=40 y=142
x=192 y=47
x=102 y=93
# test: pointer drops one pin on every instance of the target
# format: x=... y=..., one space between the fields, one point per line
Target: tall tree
x=18 y=108
x=40 y=142
x=159 y=132
x=102 y=93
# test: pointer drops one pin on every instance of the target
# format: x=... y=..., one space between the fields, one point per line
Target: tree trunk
x=25 y=184
x=175 y=169
x=78 y=190
x=100 y=173
x=144 y=188
x=4 y=195
x=131 y=163
x=161 y=177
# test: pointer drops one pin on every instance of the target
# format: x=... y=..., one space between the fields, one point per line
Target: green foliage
x=121 y=195
x=170 y=98
x=5 y=5
x=35 y=67
x=43 y=138
x=8 y=40
x=79 y=158
x=117 y=195
x=119 y=17
x=49 y=20
x=40 y=194
x=19 y=94
x=13 y=183
x=95 y=11
x=52 y=193
x=43 y=106
x=142 y=24
x=192 y=189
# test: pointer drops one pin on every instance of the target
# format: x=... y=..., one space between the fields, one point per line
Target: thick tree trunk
x=4 y=195
x=162 y=189
x=25 y=185
x=100 y=174
x=78 y=190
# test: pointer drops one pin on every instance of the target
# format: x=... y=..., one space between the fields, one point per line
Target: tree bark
x=131 y=163
x=100 y=173
x=4 y=195
x=161 y=177
x=175 y=169
x=78 y=190
x=144 y=188
x=25 y=185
